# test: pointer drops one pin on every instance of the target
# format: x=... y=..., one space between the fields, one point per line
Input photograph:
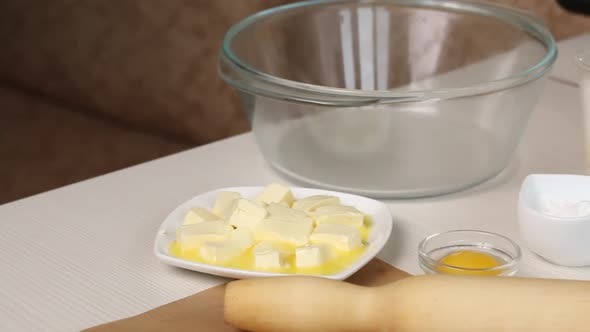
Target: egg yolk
x=470 y=263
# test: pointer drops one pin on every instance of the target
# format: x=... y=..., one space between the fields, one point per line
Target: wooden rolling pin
x=415 y=304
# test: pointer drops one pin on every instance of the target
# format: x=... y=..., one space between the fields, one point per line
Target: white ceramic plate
x=380 y=232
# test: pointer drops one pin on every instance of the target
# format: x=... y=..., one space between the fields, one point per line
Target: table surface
x=82 y=255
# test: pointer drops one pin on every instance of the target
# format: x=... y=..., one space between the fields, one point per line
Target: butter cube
x=193 y=235
x=197 y=215
x=342 y=237
x=312 y=255
x=296 y=233
x=269 y=255
x=221 y=251
x=309 y=204
x=279 y=211
x=338 y=214
x=276 y=193
x=225 y=203
x=242 y=237
x=248 y=213
x=239 y=240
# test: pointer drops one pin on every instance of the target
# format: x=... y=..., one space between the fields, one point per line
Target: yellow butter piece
x=242 y=237
x=270 y=255
x=221 y=251
x=197 y=215
x=280 y=211
x=338 y=214
x=248 y=213
x=342 y=237
x=276 y=193
x=193 y=235
x=309 y=204
x=295 y=233
x=312 y=255
x=225 y=203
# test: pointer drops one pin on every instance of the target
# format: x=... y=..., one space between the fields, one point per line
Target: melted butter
x=366 y=229
x=341 y=261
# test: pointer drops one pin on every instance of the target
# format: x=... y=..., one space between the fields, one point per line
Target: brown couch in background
x=87 y=87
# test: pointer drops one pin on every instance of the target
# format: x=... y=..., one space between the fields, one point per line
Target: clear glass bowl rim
x=435 y=263
x=254 y=81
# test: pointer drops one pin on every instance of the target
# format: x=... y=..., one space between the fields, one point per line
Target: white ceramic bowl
x=560 y=240
x=380 y=231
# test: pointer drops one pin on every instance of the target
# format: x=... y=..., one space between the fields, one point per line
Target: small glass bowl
x=437 y=246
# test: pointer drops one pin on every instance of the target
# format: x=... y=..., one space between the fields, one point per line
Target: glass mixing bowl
x=388 y=99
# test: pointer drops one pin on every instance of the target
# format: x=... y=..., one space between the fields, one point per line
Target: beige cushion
x=44 y=146
x=148 y=63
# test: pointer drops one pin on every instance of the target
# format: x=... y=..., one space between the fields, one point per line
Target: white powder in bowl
x=560 y=208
